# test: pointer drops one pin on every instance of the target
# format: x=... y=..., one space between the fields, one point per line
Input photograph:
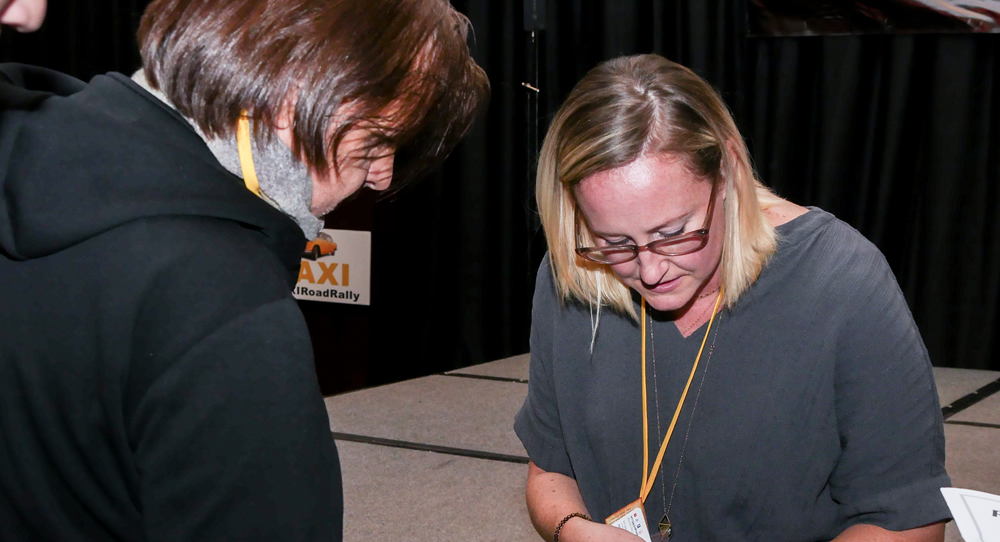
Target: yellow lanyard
x=647 y=481
x=246 y=157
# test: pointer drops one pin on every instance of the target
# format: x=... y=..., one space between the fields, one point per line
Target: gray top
x=815 y=410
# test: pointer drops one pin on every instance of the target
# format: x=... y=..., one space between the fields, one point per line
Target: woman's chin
x=665 y=302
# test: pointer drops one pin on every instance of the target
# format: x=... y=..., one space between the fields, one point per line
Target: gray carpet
x=471 y=486
x=411 y=496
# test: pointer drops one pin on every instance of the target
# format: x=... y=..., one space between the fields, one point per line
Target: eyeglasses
x=671 y=246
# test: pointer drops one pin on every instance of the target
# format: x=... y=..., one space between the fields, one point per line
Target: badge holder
x=632 y=518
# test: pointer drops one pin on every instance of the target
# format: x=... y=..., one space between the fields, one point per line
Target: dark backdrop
x=897 y=135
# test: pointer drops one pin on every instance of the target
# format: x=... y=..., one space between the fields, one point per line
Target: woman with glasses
x=709 y=361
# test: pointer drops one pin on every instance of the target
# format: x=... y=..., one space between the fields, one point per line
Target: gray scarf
x=284 y=180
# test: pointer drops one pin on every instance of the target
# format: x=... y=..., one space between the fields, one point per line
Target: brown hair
x=641 y=105
x=402 y=66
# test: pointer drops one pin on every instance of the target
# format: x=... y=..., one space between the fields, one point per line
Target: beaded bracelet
x=555 y=537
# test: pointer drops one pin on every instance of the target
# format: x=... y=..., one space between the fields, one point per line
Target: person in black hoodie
x=156 y=377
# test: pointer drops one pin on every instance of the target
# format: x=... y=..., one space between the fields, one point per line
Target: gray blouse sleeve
x=537 y=424
x=891 y=467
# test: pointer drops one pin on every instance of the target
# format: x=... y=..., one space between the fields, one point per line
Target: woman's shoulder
x=548 y=300
x=820 y=241
x=822 y=266
x=565 y=310
x=545 y=284
x=783 y=212
x=816 y=228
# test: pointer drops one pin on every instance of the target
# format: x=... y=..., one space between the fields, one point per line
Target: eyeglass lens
x=664 y=247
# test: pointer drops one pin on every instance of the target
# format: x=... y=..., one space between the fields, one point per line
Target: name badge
x=632 y=518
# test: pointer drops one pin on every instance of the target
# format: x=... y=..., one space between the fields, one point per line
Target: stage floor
x=436 y=458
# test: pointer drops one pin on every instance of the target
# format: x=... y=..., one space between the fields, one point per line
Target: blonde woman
x=709 y=361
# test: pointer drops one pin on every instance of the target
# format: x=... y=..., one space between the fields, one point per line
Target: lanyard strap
x=246 y=157
x=647 y=481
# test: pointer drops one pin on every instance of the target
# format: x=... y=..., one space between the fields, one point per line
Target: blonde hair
x=643 y=105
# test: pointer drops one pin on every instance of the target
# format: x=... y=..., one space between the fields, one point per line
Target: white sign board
x=336 y=268
x=977 y=514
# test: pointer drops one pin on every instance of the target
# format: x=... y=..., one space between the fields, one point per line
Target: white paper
x=635 y=523
x=977 y=514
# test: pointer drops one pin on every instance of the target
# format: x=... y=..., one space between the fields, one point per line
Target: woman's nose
x=652 y=267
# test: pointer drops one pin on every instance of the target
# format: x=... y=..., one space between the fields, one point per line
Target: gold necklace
x=708 y=293
x=697 y=322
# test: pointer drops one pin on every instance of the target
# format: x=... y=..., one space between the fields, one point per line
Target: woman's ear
x=284 y=121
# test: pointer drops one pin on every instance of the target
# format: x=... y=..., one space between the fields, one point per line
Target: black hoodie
x=156 y=376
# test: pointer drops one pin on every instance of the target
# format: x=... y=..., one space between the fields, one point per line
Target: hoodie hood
x=78 y=159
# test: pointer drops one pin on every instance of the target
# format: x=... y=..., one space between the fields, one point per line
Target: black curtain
x=80 y=37
x=892 y=133
x=898 y=136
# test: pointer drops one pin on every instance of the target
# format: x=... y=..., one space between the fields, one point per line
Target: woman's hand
x=870 y=533
x=580 y=530
x=551 y=497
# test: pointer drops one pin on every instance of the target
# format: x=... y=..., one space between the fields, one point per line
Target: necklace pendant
x=665 y=530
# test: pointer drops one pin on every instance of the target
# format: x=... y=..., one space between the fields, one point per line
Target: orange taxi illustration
x=322 y=245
